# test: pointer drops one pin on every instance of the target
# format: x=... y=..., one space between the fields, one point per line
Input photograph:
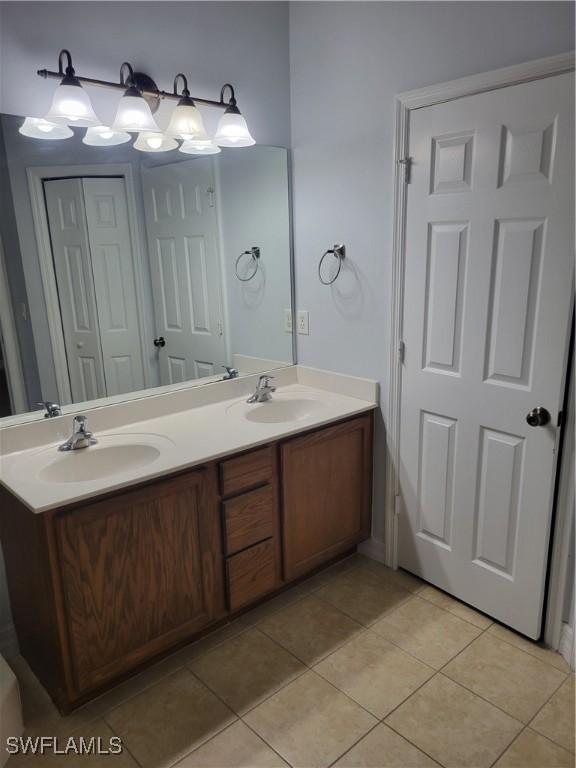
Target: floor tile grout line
x=289 y=682
x=543 y=735
x=353 y=745
x=507 y=747
x=397 y=732
x=547 y=702
x=280 y=755
x=124 y=747
x=239 y=717
x=544 y=661
x=269 y=696
x=220 y=730
x=204 y=743
x=463 y=685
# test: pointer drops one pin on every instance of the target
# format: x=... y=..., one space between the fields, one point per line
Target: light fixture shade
x=38 y=128
x=71 y=106
x=133 y=114
x=199 y=147
x=233 y=131
x=154 y=142
x=103 y=136
x=186 y=122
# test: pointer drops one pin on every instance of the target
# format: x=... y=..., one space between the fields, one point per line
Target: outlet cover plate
x=302 y=322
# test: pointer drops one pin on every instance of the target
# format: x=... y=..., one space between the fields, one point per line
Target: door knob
x=160 y=341
x=538 y=417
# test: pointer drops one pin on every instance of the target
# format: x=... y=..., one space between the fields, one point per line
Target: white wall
x=348 y=60
x=255 y=211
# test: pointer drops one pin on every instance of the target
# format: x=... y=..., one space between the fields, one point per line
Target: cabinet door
x=326 y=491
x=140 y=572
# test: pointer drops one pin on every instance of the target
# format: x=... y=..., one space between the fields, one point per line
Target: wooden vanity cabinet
x=140 y=572
x=100 y=588
x=326 y=493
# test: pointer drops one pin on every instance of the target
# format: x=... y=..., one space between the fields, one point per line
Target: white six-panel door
x=487 y=311
x=114 y=281
x=71 y=254
x=182 y=231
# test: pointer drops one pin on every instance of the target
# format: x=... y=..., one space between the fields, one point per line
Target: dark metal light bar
x=144 y=84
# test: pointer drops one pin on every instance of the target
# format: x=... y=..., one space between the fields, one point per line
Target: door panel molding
x=405 y=104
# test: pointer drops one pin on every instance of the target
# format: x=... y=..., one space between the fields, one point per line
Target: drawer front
x=249 y=519
x=247 y=471
x=251 y=574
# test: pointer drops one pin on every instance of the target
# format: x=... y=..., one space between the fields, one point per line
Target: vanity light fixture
x=70 y=103
x=38 y=128
x=154 y=142
x=232 y=129
x=199 y=147
x=141 y=98
x=133 y=113
x=103 y=136
x=186 y=122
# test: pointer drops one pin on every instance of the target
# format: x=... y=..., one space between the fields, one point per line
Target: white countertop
x=188 y=438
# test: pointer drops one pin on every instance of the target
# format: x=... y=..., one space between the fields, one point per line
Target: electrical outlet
x=288 y=320
x=302 y=322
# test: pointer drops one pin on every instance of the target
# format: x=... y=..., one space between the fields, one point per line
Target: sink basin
x=112 y=455
x=278 y=410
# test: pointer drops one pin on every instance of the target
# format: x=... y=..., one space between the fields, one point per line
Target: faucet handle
x=52 y=409
x=81 y=420
x=265 y=380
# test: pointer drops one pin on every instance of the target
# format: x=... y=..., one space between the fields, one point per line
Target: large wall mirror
x=123 y=271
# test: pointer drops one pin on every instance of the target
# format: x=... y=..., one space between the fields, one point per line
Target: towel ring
x=254 y=252
x=339 y=252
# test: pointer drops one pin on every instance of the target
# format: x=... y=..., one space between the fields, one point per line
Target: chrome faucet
x=80 y=438
x=52 y=409
x=231 y=373
x=263 y=391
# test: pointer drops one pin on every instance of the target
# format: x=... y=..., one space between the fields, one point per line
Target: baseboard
x=374 y=549
x=8 y=641
x=566 y=646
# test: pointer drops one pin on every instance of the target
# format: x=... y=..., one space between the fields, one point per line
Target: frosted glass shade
x=38 y=128
x=102 y=136
x=233 y=131
x=71 y=106
x=154 y=142
x=133 y=114
x=186 y=123
x=199 y=147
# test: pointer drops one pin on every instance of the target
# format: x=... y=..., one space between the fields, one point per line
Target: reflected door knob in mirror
x=538 y=417
x=160 y=341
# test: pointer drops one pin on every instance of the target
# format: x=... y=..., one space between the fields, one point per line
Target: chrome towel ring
x=339 y=252
x=254 y=252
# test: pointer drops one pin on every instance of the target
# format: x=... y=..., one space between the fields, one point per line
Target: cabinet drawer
x=247 y=471
x=251 y=574
x=249 y=519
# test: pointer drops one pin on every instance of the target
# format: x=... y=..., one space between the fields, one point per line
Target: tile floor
x=359 y=666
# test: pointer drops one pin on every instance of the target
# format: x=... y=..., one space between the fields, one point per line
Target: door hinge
x=397 y=504
x=401 y=351
x=220 y=328
x=211 y=200
x=407 y=163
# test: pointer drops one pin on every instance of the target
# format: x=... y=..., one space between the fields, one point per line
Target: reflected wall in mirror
x=123 y=271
